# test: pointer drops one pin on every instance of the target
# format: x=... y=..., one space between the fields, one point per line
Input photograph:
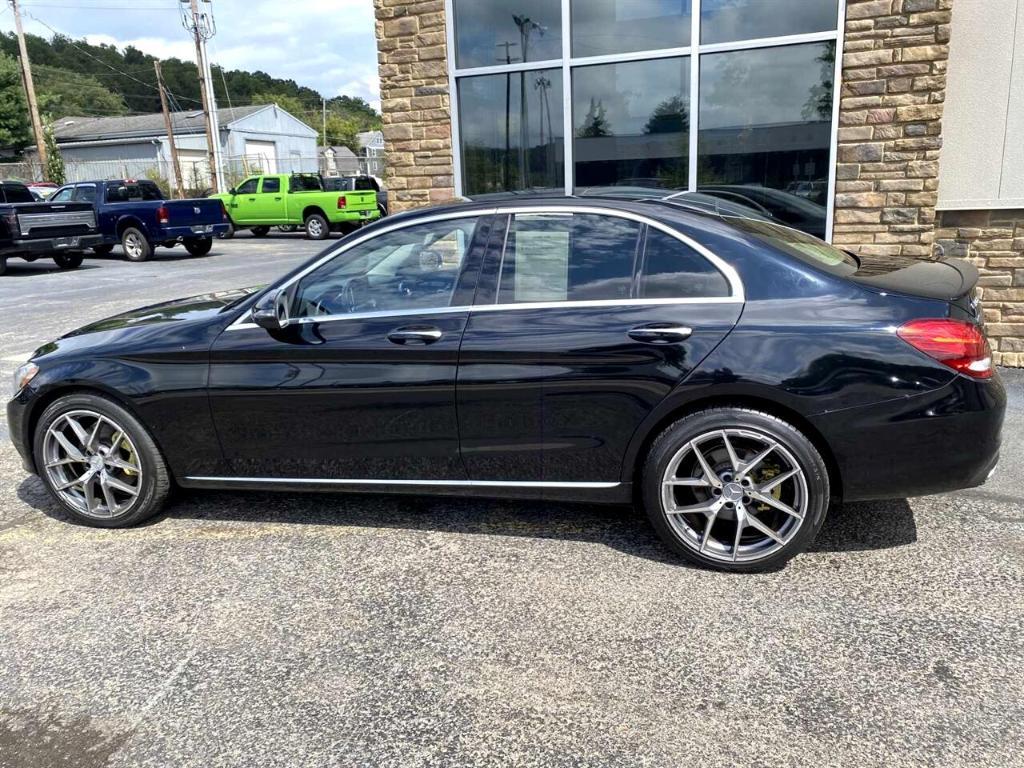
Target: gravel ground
x=244 y=629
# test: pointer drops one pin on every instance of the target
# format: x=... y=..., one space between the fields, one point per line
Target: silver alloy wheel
x=315 y=227
x=734 y=495
x=92 y=464
x=133 y=245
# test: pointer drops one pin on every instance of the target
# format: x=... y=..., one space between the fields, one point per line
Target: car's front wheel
x=98 y=462
x=735 y=489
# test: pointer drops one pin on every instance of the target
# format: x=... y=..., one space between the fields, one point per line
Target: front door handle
x=415 y=334
x=661 y=333
x=277 y=198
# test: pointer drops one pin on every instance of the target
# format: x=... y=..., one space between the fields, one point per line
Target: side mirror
x=232 y=191
x=271 y=311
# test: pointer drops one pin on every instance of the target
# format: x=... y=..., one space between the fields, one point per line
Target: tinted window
x=568 y=257
x=364 y=183
x=17 y=193
x=804 y=247
x=150 y=191
x=62 y=195
x=85 y=193
x=673 y=270
x=248 y=187
x=305 y=184
x=412 y=268
x=726 y=20
x=532 y=30
x=509 y=142
x=621 y=26
x=632 y=124
x=272 y=185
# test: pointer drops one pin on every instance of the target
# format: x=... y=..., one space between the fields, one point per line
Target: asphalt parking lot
x=245 y=629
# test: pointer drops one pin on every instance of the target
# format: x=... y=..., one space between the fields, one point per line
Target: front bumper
x=18 y=413
x=936 y=442
x=44 y=246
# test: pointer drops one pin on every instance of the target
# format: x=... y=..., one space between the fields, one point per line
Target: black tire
x=102 y=250
x=383 y=210
x=154 y=484
x=317 y=227
x=68 y=260
x=794 y=445
x=199 y=246
x=136 y=245
x=3 y=265
x=260 y=231
x=230 y=232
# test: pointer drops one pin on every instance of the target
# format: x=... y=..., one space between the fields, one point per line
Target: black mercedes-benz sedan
x=732 y=376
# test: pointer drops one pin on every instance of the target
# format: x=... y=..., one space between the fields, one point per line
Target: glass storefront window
x=765 y=130
x=490 y=32
x=513 y=139
x=728 y=20
x=631 y=124
x=622 y=26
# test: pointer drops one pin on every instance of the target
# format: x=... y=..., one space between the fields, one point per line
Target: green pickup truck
x=262 y=202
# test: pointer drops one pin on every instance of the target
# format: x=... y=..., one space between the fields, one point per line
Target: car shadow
x=18 y=268
x=850 y=528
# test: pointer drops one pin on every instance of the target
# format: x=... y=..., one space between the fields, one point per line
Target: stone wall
x=890 y=125
x=412 y=59
x=994 y=242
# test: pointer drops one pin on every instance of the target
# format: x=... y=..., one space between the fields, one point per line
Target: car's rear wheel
x=260 y=231
x=136 y=245
x=317 y=227
x=68 y=260
x=102 y=250
x=199 y=246
x=735 y=489
x=98 y=462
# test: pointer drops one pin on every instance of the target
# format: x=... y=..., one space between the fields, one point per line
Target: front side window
x=568 y=257
x=63 y=195
x=416 y=267
x=248 y=187
x=271 y=185
x=673 y=270
x=85 y=193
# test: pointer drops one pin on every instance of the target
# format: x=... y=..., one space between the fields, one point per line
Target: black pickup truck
x=31 y=230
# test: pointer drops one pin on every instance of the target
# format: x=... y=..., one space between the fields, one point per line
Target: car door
x=270 y=201
x=360 y=386
x=585 y=321
x=242 y=205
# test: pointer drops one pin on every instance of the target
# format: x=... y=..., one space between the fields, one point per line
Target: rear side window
x=150 y=191
x=272 y=185
x=568 y=257
x=673 y=270
x=305 y=184
x=17 y=193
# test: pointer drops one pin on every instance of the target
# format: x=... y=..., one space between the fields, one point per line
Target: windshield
x=805 y=247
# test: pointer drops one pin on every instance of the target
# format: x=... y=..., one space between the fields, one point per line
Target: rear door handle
x=277 y=198
x=415 y=334
x=661 y=333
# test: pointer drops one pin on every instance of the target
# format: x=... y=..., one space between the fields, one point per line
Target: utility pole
x=203 y=28
x=175 y=163
x=30 y=88
x=507 y=59
x=323 y=104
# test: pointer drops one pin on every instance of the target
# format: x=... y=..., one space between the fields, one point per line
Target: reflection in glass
x=489 y=32
x=622 y=26
x=631 y=123
x=511 y=131
x=726 y=20
x=765 y=122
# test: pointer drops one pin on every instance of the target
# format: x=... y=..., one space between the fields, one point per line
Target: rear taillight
x=962 y=346
x=223 y=212
x=163 y=215
x=342 y=202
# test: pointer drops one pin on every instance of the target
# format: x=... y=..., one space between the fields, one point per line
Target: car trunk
x=951 y=280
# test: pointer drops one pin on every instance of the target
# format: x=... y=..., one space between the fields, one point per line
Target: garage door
x=195 y=168
x=261 y=156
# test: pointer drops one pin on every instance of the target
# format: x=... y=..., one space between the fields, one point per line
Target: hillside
x=74 y=77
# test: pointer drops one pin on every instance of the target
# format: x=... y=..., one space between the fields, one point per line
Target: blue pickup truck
x=137 y=216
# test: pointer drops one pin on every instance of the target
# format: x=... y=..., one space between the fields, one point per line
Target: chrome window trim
x=737 y=293
x=384 y=482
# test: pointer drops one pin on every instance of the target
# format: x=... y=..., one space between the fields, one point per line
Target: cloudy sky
x=324 y=44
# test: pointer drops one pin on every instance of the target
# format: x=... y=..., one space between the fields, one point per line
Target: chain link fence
x=195 y=170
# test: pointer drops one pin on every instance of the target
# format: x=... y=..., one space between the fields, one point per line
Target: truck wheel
x=136 y=245
x=199 y=246
x=102 y=250
x=68 y=260
x=317 y=227
x=260 y=231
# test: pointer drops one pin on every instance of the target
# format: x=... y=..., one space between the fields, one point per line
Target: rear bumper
x=350 y=216
x=944 y=440
x=47 y=245
x=183 y=233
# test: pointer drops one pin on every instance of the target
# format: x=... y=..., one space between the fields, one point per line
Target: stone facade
x=412 y=58
x=890 y=125
x=994 y=242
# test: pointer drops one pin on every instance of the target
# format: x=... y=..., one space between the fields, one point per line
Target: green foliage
x=595 y=123
x=670 y=116
x=54 y=170
x=62 y=93
x=15 y=130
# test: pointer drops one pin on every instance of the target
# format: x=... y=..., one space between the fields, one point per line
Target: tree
x=288 y=103
x=54 y=170
x=670 y=116
x=819 y=100
x=14 y=125
x=66 y=93
x=595 y=123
